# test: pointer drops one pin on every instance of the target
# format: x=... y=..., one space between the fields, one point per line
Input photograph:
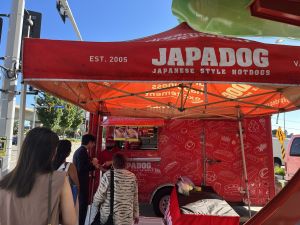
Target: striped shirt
x=126 y=206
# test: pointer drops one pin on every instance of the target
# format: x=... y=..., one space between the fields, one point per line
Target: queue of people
x=44 y=188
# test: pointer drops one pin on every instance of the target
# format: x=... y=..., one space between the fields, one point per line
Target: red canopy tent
x=179 y=73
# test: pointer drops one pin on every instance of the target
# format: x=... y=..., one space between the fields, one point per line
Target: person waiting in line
x=84 y=165
x=25 y=192
x=60 y=164
x=125 y=206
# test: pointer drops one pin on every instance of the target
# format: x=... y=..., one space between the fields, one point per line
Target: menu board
x=126 y=133
x=146 y=132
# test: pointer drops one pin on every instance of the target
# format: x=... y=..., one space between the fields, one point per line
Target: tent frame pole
x=204 y=155
x=244 y=160
x=96 y=155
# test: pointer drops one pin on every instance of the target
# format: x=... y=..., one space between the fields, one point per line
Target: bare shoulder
x=72 y=166
x=72 y=169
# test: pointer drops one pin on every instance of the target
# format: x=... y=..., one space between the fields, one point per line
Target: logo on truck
x=139 y=165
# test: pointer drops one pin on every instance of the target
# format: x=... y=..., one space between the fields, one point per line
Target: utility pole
x=9 y=83
x=34 y=114
x=23 y=96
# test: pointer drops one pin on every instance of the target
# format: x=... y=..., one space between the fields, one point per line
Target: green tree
x=48 y=114
x=16 y=127
x=60 y=119
x=78 y=119
x=67 y=117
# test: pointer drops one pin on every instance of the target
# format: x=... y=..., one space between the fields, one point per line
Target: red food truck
x=206 y=151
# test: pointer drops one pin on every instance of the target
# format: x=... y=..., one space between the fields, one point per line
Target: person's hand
x=95 y=162
x=136 y=220
x=107 y=163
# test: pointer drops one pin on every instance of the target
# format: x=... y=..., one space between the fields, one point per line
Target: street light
x=65 y=12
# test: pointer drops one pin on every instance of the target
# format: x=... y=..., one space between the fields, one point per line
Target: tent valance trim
x=159 y=81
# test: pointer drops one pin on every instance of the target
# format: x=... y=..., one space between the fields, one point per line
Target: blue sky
x=116 y=20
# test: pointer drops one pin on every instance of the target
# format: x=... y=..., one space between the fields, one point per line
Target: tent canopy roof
x=179 y=73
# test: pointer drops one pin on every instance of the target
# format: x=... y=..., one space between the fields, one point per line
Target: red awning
x=123 y=121
x=180 y=73
x=180 y=54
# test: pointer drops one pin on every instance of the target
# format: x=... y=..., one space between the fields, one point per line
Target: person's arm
x=84 y=164
x=136 y=212
x=67 y=205
x=101 y=193
x=73 y=175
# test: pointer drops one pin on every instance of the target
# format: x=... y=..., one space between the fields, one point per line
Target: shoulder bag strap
x=112 y=191
x=67 y=165
x=49 y=199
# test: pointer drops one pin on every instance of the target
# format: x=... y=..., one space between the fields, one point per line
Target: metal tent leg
x=244 y=160
x=204 y=156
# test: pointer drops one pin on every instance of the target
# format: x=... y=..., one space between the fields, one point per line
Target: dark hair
x=87 y=138
x=63 y=151
x=119 y=161
x=36 y=155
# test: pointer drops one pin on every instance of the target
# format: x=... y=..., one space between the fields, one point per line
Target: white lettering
x=192 y=54
x=162 y=57
x=175 y=57
x=260 y=57
x=209 y=57
x=139 y=165
x=244 y=57
x=227 y=57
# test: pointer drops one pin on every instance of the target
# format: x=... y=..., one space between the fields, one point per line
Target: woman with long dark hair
x=60 y=164
x=32 y=193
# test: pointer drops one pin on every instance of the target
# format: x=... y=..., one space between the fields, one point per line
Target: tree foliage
x=57 y=114
x=16 y=127
x=68 y=116
x=78 y=119
x=47 y=113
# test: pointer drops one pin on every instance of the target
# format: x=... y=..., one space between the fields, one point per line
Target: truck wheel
x=161 y=200
x=277 y=162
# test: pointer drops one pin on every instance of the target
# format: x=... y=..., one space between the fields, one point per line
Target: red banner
x=180 y=54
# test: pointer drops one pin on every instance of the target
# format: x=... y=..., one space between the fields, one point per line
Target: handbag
x=110 y=219
x=49 y=199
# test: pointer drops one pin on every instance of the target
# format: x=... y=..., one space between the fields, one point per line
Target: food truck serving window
x=136 y=138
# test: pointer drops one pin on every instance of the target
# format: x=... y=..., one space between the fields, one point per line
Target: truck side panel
x=224 y=147
x=179 y=153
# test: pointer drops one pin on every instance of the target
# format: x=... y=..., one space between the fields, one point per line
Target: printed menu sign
x=126 y=133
